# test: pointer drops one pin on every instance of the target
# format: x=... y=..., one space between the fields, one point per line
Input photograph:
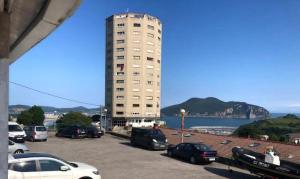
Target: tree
x=25 y=118
x=33 y=116
x=73 y=118
x=38 y=116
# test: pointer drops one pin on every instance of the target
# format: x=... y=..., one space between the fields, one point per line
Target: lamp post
x=105 y=111
x=182 y=111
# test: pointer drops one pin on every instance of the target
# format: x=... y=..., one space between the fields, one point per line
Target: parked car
x=192 y=152
x=93 y=132
x=34 y=133
x=149 y=137
x=73 y=132
x=15 y=148
x=15 y=132
x=41 y=165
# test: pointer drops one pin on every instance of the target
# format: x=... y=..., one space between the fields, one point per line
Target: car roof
x=31 y=155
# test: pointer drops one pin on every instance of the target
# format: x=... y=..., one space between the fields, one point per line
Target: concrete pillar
x=4 y=71
x=3 y=116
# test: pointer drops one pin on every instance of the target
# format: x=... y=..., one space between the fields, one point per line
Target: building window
x=150 y=43
x=136 y=57
x=150 y=51
x=120 y=41
x=149 y=105
x=158 y=61
x=149 y=82
x=120 y=57
x=158 y=38
x=151 y=27
x=120 y=67
x=135 y=105
x=136 y=73
x=159 y=31
x=136 y=49
x=150 y=58
x=120 y=105
x=150 y=35
x=121 y=33
x=136 y=25
x=135 y=97
x=149 y=97
x=120 y=81
x=136 y=81
x=121 y=25
x=120 y=97
x=135 y=113
x=149 y=66
x=120 y=49
x=120 y=89
x=120 y=73
x=136 y=66
x=119 y=112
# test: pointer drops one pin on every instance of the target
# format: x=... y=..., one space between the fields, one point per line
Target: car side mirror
x=64 y=168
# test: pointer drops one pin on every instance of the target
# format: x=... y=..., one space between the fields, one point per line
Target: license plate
x=19 y=138
x=212 y=159
x=162 y=146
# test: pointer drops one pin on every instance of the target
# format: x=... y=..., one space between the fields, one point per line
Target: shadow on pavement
x=227 y=174
x=181 y=160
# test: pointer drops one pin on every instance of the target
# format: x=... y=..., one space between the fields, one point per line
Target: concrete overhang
x=33 y=20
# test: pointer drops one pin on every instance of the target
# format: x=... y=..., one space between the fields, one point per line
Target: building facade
x=133 y=68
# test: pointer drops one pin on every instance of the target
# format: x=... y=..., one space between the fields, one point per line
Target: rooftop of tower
x=133 y=15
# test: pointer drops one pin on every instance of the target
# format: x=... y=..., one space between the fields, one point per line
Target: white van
x=15 y=132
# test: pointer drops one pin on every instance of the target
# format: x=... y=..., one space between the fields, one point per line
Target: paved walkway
x=117 y=159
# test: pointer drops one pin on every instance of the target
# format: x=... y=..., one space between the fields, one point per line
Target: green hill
x=276 y=129
x=213 y=107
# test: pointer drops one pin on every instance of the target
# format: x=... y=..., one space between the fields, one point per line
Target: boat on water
x=267 y=164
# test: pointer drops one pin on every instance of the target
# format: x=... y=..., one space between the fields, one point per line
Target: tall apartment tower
x=133 y=68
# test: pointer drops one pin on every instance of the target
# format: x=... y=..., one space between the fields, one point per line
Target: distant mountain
x=213 y=107
x=16 y=109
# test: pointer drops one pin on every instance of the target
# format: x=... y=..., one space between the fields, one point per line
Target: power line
x=53 y=95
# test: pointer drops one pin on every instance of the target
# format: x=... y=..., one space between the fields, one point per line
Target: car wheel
x=45 y=140
x=192 y=160
x=19 y=151
x=170 y=153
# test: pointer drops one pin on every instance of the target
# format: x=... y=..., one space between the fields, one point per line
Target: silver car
x=34 y=133
x=15 y=148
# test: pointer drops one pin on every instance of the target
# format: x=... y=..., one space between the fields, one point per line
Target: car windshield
x=156 y=132
x=202 y=147
x=12 y=128
x=70 y=163
x=40 y=128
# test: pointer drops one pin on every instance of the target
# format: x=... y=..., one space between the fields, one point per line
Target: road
x=117 y=159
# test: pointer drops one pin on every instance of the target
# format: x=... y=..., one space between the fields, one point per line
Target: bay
x=175 y=122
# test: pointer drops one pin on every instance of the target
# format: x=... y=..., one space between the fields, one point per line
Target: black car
x=73 y=132
x=192 y=152
x=149 y=137
x=93 y=132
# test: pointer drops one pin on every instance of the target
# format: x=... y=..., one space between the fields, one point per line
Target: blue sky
x=230 y=49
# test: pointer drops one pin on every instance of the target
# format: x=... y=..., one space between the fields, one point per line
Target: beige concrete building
x=133 y=68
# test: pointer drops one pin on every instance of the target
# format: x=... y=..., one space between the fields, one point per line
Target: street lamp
x=105 y=122
x=182 y=111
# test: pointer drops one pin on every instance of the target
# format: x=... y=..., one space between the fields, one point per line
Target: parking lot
x=117 y=159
